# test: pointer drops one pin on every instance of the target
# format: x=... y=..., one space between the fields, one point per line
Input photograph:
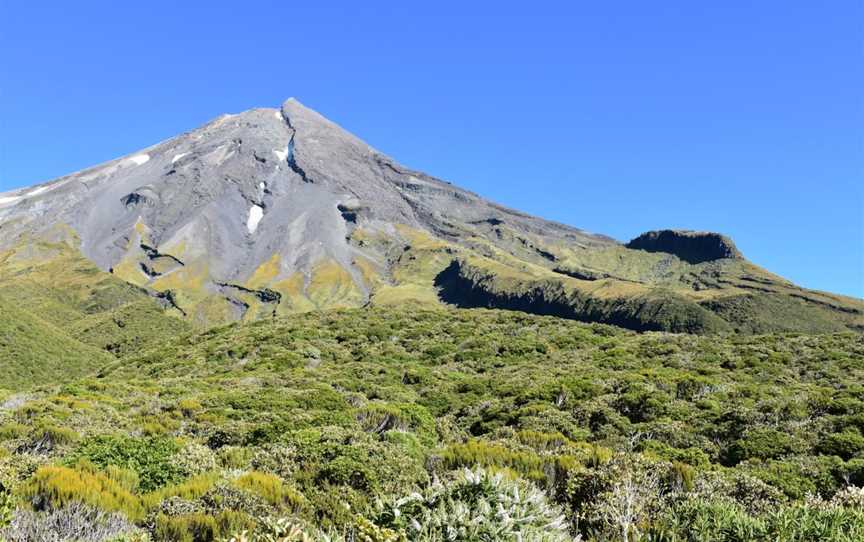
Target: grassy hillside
x=55 y=284
x=635 y=289
x=34 y=351
x=362 y=423
x=490 y=266
x=665 y=294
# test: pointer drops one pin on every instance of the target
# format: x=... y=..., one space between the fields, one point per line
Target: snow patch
x=256 y=213
x=140 y=159
x=278 y=115
x=281 y=155
x=9 y=199
x=178 y=156
x=38 y=191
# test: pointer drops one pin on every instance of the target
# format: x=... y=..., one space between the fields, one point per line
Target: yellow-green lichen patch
x=332 y=286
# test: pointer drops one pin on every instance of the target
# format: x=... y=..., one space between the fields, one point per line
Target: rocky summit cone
x=274 y=211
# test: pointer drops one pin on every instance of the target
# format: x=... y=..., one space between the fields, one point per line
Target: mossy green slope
x=646 y=291
x=62 y=318
x=33 y=351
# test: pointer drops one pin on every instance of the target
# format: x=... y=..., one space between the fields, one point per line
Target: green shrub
x=149 y=457
x=616 y=499
x=480 y=452
x=381 y=418
x=190 y=489
x=350 y=469
x=55 y=487
x=200 y=527
x=765 y=444
x=12 y=430
x=7 y=506
x=725 y=521
x=799 y=476
x=847 y=444
x=233 y=457
x=272 y=489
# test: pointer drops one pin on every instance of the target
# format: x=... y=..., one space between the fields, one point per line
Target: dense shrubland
x=444 y=425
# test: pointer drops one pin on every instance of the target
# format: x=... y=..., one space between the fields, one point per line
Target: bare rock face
x=691 y=246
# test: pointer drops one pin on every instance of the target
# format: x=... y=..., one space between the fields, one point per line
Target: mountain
x=272 y=212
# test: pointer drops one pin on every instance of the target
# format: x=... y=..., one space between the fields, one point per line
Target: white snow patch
x=281 y=155
x=140 y=159
x=278 y=114
x=38 y=191
x=256 y=213
x=178 y=156
x=9 y=199
x=262 y=186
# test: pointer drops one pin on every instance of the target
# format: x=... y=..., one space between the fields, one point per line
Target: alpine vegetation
x=444 y=424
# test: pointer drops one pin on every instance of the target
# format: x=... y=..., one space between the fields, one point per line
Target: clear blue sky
x=618 y=117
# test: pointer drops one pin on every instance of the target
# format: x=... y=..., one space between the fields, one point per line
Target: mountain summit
x=273 y=211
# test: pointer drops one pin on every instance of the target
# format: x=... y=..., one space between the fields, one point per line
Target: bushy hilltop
x=393 y=424
x=278 y=211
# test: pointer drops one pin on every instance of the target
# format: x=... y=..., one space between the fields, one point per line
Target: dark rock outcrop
x=691 y=246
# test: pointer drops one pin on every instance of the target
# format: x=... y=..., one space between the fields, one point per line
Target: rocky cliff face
x=690 y=246
x=273 y=211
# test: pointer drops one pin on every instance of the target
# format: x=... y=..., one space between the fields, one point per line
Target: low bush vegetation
x=390 y=425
